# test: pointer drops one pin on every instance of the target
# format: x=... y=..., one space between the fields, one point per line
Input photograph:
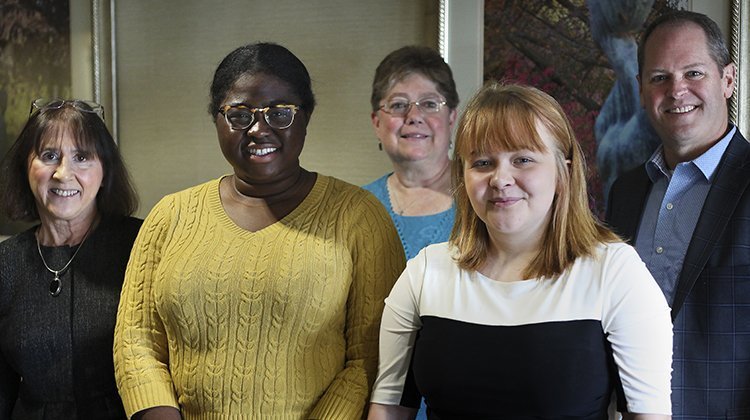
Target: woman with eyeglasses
x=533 y=309
x=414 y=102
x=60 y=281
x=258 y=294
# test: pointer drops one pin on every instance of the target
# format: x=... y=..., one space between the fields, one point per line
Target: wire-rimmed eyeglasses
x=242 y=117
x=57 y=103
x=398 y=107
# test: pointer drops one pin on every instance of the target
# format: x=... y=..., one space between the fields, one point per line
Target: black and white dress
x=540 y=348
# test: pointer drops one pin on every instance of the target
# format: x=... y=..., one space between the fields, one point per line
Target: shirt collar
x=707 y=163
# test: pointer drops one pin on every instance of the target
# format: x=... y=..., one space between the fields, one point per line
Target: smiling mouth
x=682 y=109
x=64 y=193
x=505 y=202
x=262 y=152
x=414 y=136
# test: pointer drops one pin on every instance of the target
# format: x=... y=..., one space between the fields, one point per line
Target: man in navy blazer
x=687 y=212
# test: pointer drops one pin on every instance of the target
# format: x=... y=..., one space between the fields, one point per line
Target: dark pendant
x=55 y=287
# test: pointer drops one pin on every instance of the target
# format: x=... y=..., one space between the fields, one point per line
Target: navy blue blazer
x=711 y=308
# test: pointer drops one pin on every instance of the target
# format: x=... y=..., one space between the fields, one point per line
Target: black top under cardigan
x=56 y=351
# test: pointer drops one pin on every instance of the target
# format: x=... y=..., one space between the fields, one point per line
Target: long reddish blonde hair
x=503 y=117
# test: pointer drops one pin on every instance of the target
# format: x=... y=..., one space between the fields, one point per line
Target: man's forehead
x=685 y=26
x=658 y=43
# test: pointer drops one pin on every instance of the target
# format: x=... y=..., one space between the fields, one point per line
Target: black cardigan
x=56 y=352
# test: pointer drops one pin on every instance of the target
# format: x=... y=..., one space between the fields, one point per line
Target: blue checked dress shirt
x=672 y=210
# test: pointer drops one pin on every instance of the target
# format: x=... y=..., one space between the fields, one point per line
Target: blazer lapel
x=732 y=178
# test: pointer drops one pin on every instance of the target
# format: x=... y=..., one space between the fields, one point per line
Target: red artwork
x=550 y=45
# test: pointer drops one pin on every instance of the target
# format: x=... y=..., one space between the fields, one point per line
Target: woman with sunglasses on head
x=60 y=281
x=414 y=102
x=533 y=308
x=258 y=294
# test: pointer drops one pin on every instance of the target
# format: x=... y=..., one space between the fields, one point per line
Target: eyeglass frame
x=223 y=111
x=95 y=108
x=441 y=103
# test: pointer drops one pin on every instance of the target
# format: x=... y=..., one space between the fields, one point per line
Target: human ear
x=729 y=74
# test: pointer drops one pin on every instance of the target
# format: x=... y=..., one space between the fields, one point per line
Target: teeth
x=64 y=193
x=262 y=152
x=682 y=110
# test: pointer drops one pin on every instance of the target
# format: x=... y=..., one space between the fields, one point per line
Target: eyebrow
x=76 y=149
x=420 y=95
x=686 y=67
x=271 y=104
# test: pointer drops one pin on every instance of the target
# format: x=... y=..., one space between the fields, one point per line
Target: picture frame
x=92 y=55
x=739 y=42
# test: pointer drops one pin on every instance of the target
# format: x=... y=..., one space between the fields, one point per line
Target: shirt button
x=670 y=206
x=659 y=250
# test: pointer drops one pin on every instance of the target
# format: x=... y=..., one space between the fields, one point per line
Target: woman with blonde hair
x=533 y=308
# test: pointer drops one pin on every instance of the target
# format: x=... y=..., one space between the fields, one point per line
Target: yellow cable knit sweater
x=279 y=323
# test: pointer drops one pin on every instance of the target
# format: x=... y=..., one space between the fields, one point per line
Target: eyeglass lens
x=401 y=106
x=241 y=118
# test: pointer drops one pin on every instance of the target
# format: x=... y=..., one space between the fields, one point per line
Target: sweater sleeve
x=141 y=354
x=378 y=259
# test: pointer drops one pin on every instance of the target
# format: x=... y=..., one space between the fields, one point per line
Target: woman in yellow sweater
x=257 y=294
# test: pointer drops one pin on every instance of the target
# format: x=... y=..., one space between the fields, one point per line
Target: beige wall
x=167 y=52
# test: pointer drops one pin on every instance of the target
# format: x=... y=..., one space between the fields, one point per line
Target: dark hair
x=717 y=47
x=116 y=197
x=262 y=57
x=409 y=60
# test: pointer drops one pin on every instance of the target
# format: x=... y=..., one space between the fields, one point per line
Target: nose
x=260 y=127
x=414 y=115
x=502 y=177
x=64 y=171
x=678 y=87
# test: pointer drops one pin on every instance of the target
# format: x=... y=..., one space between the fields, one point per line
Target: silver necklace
x=55 y=285
x=401 y=209
x=396 y=203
